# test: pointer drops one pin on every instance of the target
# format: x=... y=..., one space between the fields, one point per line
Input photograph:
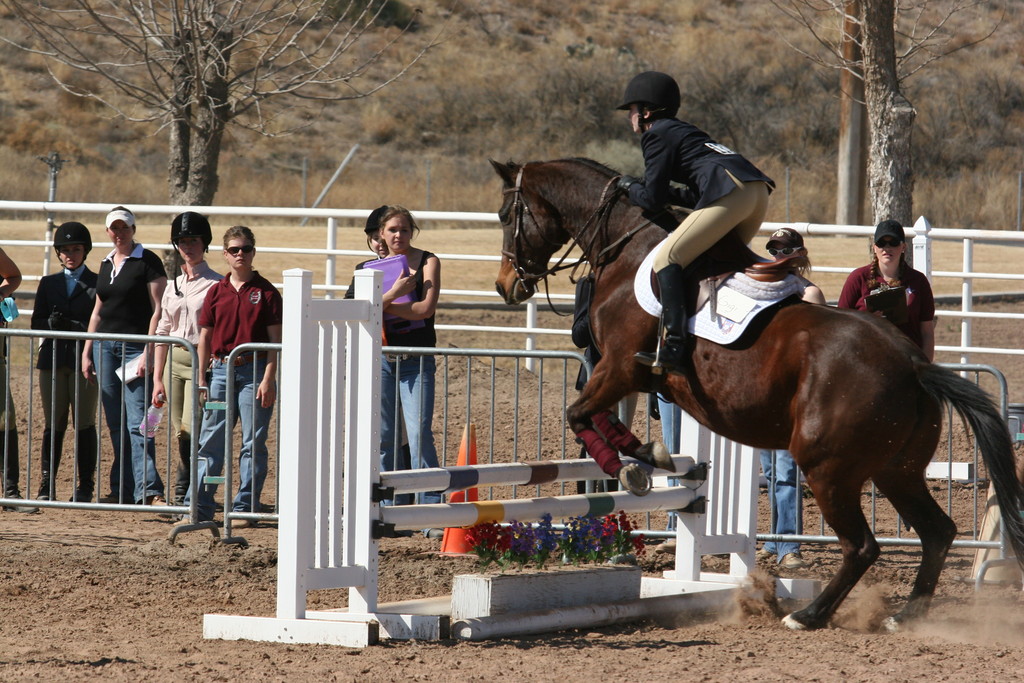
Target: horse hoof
x=789 y=622
x=657 y=455
x=891 y=625
x=635 y=479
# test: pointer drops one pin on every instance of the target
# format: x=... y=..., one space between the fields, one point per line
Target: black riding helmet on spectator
x=72 y=232
x=191 y=224
x=188 y=224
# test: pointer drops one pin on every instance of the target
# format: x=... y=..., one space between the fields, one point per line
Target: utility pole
x=56 y=164
x=852 y=163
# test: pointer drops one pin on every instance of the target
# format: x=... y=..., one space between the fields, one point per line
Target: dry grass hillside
x=530 y=79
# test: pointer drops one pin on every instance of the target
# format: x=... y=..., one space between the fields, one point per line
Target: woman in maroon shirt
x=889 y=269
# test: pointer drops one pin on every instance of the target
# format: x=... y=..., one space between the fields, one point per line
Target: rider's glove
x=625 y=181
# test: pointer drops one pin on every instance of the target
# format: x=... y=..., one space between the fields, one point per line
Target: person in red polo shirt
x=242 y=308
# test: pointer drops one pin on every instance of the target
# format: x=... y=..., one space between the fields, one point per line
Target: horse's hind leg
x=839 y=501
x=915 y=504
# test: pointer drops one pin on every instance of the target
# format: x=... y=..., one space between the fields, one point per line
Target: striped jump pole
x=440 y=515
x=449 y=479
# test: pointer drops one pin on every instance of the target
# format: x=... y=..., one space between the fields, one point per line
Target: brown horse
x=845 y=392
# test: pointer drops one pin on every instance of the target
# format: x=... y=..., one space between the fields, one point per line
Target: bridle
x=600 y=216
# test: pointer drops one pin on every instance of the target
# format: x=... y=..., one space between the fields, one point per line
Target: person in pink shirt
x=179 y=317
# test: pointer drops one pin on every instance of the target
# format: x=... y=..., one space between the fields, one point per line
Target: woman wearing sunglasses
x=889 y=270
x=242 y=308
x=780 y=469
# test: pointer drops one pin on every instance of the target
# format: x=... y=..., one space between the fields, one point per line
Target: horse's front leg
x=591 y=410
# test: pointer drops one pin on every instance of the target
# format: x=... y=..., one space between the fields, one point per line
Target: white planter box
x=485 y=595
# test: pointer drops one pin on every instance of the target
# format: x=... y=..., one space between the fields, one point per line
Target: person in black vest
x=64 y=302
x=724 y=190
x=129 y=288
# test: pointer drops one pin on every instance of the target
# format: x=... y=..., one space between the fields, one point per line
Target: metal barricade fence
x=957 y=479
x=21 y=387
x=521 y=415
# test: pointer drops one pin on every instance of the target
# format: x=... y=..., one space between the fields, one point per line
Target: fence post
x=332 y=244
x=531 y=339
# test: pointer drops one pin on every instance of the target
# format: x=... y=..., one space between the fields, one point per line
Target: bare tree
x=196 y=66
x=896 y=38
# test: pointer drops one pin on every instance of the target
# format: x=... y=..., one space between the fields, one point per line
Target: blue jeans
x=784 y=498
x=253 y=457
x=671 y=434
x=135 y=477
x=415 y=397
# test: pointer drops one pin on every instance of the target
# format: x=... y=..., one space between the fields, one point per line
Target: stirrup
x=635 y=479
x=659 y=364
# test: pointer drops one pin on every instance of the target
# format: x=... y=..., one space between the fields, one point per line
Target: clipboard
x=393 y=268
x=892 y=303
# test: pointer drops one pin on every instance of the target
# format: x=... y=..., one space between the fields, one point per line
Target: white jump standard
x=331 y=484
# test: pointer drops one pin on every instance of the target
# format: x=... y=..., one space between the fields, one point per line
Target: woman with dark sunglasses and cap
x=780 y=470
x=786 y=242
x=179 y=317
x=911 y=307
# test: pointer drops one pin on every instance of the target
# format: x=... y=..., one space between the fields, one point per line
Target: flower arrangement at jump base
x=585 y=539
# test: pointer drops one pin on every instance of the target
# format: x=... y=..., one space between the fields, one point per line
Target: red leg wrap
x=600 y=451
x=616 y=433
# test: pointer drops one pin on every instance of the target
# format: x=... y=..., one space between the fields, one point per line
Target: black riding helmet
x=658 y=91
x=373 y=220
x=191 y=224
x=72 y=232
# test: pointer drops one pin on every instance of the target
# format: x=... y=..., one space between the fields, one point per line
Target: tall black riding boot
x=12 y=475
x=86 y=457
x=673 y=351
x=182 y=477
x=48 y=473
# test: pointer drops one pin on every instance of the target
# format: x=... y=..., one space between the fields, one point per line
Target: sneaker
x=244 y=524
x=158 y=501
x=19 y=508
x=110 y=498
x=793 y=561
x=434 y=534
x=668 y=547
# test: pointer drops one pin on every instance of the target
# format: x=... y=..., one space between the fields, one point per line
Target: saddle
x=726 y=257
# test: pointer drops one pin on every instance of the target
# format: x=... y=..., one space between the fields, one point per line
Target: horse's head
x=532 y=233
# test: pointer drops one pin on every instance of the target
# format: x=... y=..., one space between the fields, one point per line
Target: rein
x=600 y=216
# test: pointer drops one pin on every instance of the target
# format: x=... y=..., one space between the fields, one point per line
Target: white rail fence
x=924 y=236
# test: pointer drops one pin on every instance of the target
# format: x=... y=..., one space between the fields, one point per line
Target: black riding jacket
x=679 y=151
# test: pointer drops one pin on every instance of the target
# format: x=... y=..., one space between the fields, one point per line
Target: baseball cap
x=890 y=228
x=785 y=237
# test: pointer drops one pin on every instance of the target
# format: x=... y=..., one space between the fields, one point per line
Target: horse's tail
x=993 y=436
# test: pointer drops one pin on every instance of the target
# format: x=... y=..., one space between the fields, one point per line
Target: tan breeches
x=742 y=210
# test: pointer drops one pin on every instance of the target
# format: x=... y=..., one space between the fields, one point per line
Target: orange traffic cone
x=454 y=541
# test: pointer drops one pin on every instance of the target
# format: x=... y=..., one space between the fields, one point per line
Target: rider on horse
x=725 y=191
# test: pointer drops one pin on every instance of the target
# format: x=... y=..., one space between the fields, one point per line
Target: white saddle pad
x=726 y=315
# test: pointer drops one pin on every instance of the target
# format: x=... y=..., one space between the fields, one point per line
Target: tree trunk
x=211 y=117
x=891 y=117
x=851 y=171
x=178 y=162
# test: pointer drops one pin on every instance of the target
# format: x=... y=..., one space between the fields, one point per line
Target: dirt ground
x=87 y=595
